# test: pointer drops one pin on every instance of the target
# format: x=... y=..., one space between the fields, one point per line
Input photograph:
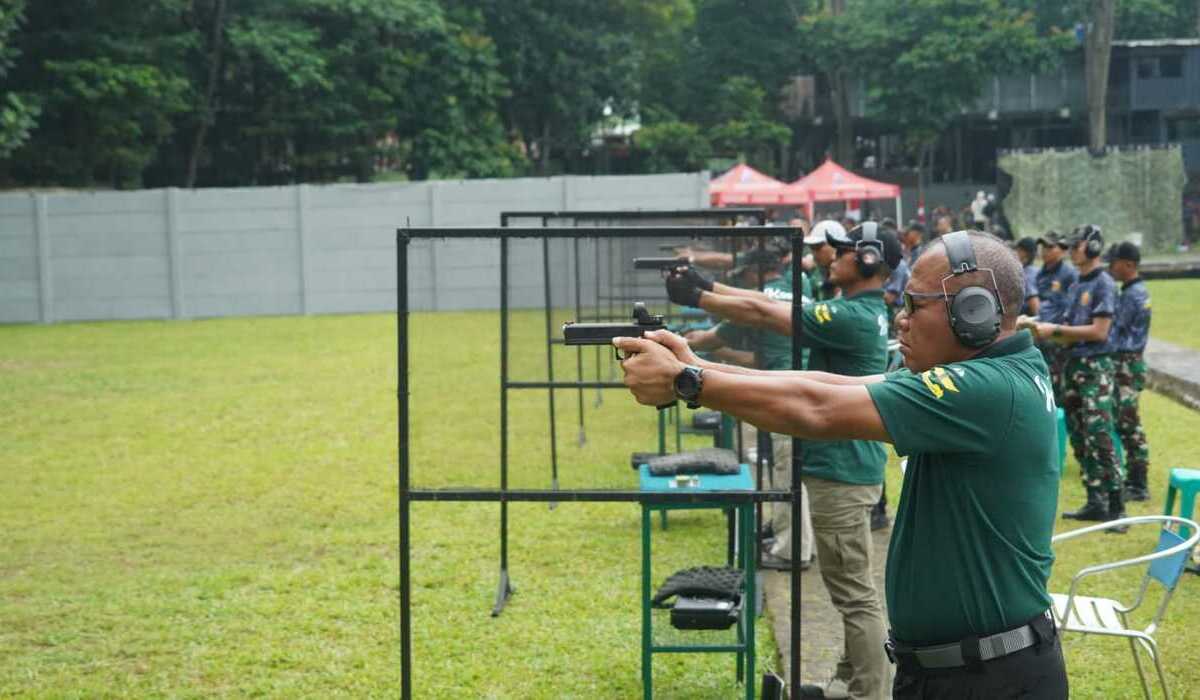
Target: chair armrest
x=1145 y=558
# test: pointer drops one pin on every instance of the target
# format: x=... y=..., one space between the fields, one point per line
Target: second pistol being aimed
x=663 y=265
x=603 y=333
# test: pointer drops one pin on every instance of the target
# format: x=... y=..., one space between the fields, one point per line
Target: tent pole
x=899 y=213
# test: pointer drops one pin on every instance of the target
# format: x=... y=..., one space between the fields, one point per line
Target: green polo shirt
x=774 y=351
x=970 y=551
x=847 y=336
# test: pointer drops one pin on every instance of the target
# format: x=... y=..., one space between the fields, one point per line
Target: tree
x=320 y=90
x=564 y=60
x=924 y=61
x=17 y=116
x=674 y=146
x=109 y=80
x=1096 y=54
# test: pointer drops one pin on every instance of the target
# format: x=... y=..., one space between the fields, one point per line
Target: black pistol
x=663 y=265
x=603 y=333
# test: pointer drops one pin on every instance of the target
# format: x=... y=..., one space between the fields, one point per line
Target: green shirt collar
x=1013 y=344
x=878 y=291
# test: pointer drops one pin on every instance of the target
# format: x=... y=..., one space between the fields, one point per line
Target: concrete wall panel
x=289 y=250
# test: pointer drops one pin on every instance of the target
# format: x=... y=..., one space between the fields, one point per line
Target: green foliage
x=1135 y=19
x=925 y=59
x=674 y=146
x=17 y=116
x=564 y=61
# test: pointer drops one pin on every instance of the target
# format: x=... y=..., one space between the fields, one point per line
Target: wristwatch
x=688 y=384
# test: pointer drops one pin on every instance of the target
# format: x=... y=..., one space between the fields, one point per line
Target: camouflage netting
x=1124 y=191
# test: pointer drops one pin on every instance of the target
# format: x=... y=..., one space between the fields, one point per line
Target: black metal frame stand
x=504 y=495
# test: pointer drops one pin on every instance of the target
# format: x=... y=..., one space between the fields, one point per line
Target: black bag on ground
x=706 y=597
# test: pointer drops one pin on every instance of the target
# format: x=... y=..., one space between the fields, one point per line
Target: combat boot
x=1116 y=511
x=1096 y=508
x=1136 y=492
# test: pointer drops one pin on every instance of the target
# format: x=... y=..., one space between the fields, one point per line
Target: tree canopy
x=118 y=93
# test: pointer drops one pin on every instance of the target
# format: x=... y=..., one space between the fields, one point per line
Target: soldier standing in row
x=1088 y=376
x=1055 y=278
x=1131 y=329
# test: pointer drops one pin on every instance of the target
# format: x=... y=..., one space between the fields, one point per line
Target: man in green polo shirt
x=847 y=336
x=974 y=411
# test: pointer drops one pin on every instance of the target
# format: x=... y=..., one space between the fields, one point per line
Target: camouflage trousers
x=1088 y=403
x=1130 y=377
x=1056 y=359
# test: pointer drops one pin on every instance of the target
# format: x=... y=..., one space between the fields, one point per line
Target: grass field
x=1176 y=307
x=209 y=508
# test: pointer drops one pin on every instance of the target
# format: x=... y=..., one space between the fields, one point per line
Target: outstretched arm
x=682 y=349
x=775 y=316
x=787 y=403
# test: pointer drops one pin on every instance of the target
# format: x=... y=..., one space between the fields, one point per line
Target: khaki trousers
x=779 y=514
x=841 y=521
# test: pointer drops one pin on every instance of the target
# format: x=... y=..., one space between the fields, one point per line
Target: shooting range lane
x=504 y=494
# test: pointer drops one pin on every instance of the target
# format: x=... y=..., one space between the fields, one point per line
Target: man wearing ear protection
x=1088 y=376
x=973 y=411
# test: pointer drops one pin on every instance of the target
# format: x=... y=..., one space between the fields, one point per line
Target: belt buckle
x=889 y=648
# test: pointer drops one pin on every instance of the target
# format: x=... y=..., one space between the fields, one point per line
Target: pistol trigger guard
x=617 y=352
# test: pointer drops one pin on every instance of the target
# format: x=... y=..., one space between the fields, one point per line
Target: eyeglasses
x=909 y=297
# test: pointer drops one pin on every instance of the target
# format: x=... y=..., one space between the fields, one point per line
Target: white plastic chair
x=1089 y=615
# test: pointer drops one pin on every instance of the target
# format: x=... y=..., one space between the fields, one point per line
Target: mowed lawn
x=209 y=508
x=1176 y=306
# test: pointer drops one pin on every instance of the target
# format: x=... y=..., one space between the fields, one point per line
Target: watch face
x=687 y=383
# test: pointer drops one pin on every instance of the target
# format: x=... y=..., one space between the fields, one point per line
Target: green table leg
x=647 y=639
x=748 y=610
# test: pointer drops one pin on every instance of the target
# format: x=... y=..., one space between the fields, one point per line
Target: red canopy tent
x=743 y=185
x=833 y=183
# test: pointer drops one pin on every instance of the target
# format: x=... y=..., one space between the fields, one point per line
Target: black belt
x=971 y=649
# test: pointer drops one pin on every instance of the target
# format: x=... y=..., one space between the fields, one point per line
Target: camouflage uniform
x=1088 y=403
x=1131 y=328
x=1088 y=385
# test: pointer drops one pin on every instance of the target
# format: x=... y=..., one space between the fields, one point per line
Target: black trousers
x=1036 y=673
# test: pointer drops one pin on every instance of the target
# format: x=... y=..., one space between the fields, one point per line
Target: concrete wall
x=289 y=250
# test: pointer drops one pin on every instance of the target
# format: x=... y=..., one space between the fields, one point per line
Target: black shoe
x=808 y=690
x=767 y=533
x=777 y=563
x=1116 y=511
x=1134 y=492
x=1095 y=509
x=879 y=519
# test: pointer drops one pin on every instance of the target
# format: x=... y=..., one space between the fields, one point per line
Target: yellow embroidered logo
x=943 y=384
x=1085 y=298
x=1056 y=286
x=822 y=313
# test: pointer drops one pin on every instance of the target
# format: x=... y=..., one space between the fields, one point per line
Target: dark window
x=1170 y=66
x=1147 y=68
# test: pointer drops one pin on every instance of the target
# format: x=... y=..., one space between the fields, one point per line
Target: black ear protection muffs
x=975 y=312
x=1094 y=241
x=868 y=250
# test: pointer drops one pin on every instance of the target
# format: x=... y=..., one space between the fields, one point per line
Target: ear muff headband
x=1095 y=241
x=868 y=250
x=975 y=311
